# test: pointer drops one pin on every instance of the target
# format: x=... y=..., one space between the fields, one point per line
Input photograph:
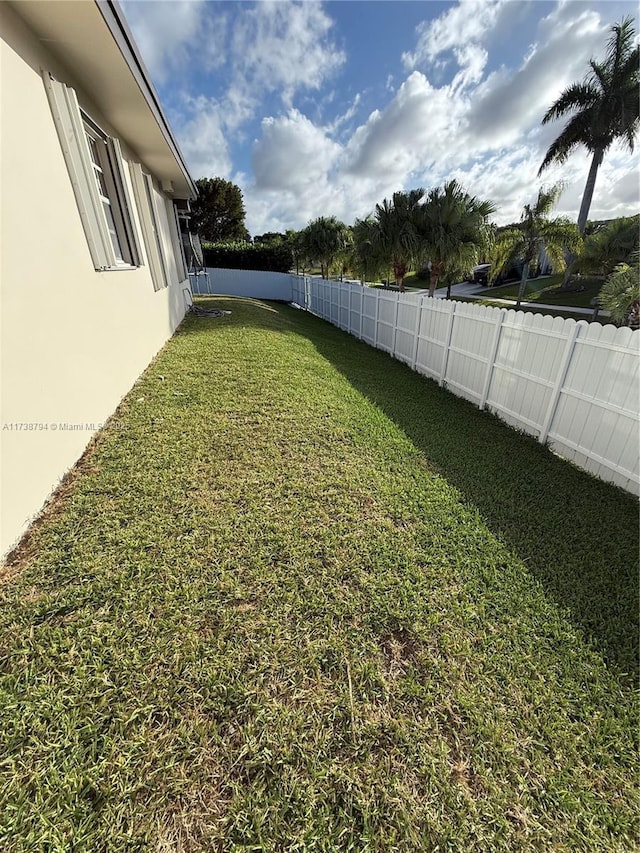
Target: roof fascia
x=116 y=22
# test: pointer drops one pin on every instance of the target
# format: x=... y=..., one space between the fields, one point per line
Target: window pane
x=93 y=148
x=111 y=225
x=102 y=187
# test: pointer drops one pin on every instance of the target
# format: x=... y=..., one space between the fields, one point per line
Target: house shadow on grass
x=576 y=534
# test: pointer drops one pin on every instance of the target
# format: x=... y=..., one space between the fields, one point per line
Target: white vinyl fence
x=250 y=283
x=573 y=385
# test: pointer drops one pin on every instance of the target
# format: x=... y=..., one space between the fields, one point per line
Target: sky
x=318 y=109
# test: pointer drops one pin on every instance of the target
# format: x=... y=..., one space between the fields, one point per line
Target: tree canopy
x=534 y=234
x=604 y=108
x=455 y=228
x=325 y=240
x=395 y=236
x=218 y=213
x=609 y=246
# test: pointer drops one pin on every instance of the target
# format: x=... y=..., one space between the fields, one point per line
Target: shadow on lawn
x=576 y=534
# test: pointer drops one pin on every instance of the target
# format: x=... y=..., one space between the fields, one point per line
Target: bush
x=272 y=257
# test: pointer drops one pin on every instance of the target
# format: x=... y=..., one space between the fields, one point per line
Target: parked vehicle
x=481 y=274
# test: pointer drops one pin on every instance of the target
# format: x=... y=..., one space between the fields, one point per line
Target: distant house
x=91 y=263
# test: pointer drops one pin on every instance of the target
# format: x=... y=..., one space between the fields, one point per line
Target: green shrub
x=272 y=257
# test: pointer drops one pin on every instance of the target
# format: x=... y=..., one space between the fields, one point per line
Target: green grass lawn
x=305 y=600
x=547 y=290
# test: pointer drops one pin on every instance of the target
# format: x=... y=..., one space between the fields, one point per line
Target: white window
x=95 y=166
x=149 y=219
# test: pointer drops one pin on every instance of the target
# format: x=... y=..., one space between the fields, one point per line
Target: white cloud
x=202 y=137
x=507 y=104
x=284 y=47
x=461 y=30
x=418 y=126
x=172 y=35
x=293 y=154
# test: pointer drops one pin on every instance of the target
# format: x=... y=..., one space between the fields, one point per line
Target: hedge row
x=248 y=256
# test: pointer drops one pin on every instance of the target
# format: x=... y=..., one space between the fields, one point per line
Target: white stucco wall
x=73 y=340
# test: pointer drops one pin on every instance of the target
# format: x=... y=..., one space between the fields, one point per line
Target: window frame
x=144 y=192
x=75 y=128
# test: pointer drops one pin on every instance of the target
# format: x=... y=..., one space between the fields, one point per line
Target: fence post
x=447 y=342
x=361 y=312
x=492 y=358
x=414 y=360
x=395 y=325
x=375 y=328
x=349 y=329
x=557 y=388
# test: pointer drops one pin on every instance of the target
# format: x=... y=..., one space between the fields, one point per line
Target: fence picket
x=416 y=348
x=492 y=359
x=557 y=388
x=447 y=343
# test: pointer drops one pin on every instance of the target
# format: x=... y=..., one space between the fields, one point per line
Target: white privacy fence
x=573 y=385
x=250 y=283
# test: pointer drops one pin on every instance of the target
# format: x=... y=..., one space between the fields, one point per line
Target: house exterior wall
x=74 y=340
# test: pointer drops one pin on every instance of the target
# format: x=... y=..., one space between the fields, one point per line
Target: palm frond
x=621 y=291
x=577 y=132
x=574 y=97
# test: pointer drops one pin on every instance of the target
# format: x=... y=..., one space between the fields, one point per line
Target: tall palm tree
x=325 y=239
x=396 y=235
x=604 y=106
x=456 y=232
x=535 y=234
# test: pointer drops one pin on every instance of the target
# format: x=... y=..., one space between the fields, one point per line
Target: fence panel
x=595 y=423
x=343 y=294
x=528 y=360
x=356 y=310
x=469 y=348
x=405 y=336
x=432 y=336
x=386 y=320
x=369 y=315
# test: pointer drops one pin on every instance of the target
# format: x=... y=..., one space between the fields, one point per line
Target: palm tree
x=325 y=239
x=366 y=260
x=456 y=232
x=620 y=294
x=396 y=234
x=604 y=106
x=533 y=235
x=611 y=245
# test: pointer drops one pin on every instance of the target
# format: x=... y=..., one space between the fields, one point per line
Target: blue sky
x=327 y=108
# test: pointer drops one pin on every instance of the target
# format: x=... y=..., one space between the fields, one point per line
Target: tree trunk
x=587 y=196
x=436 y=272
x=449 y=291
x=588 y=190
x=523 y=283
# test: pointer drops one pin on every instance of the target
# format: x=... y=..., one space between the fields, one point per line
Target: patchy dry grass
x=307 y=601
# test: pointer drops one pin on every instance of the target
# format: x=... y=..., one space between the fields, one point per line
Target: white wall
x=73 y=340
x=250 y=283
x=573 y=385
